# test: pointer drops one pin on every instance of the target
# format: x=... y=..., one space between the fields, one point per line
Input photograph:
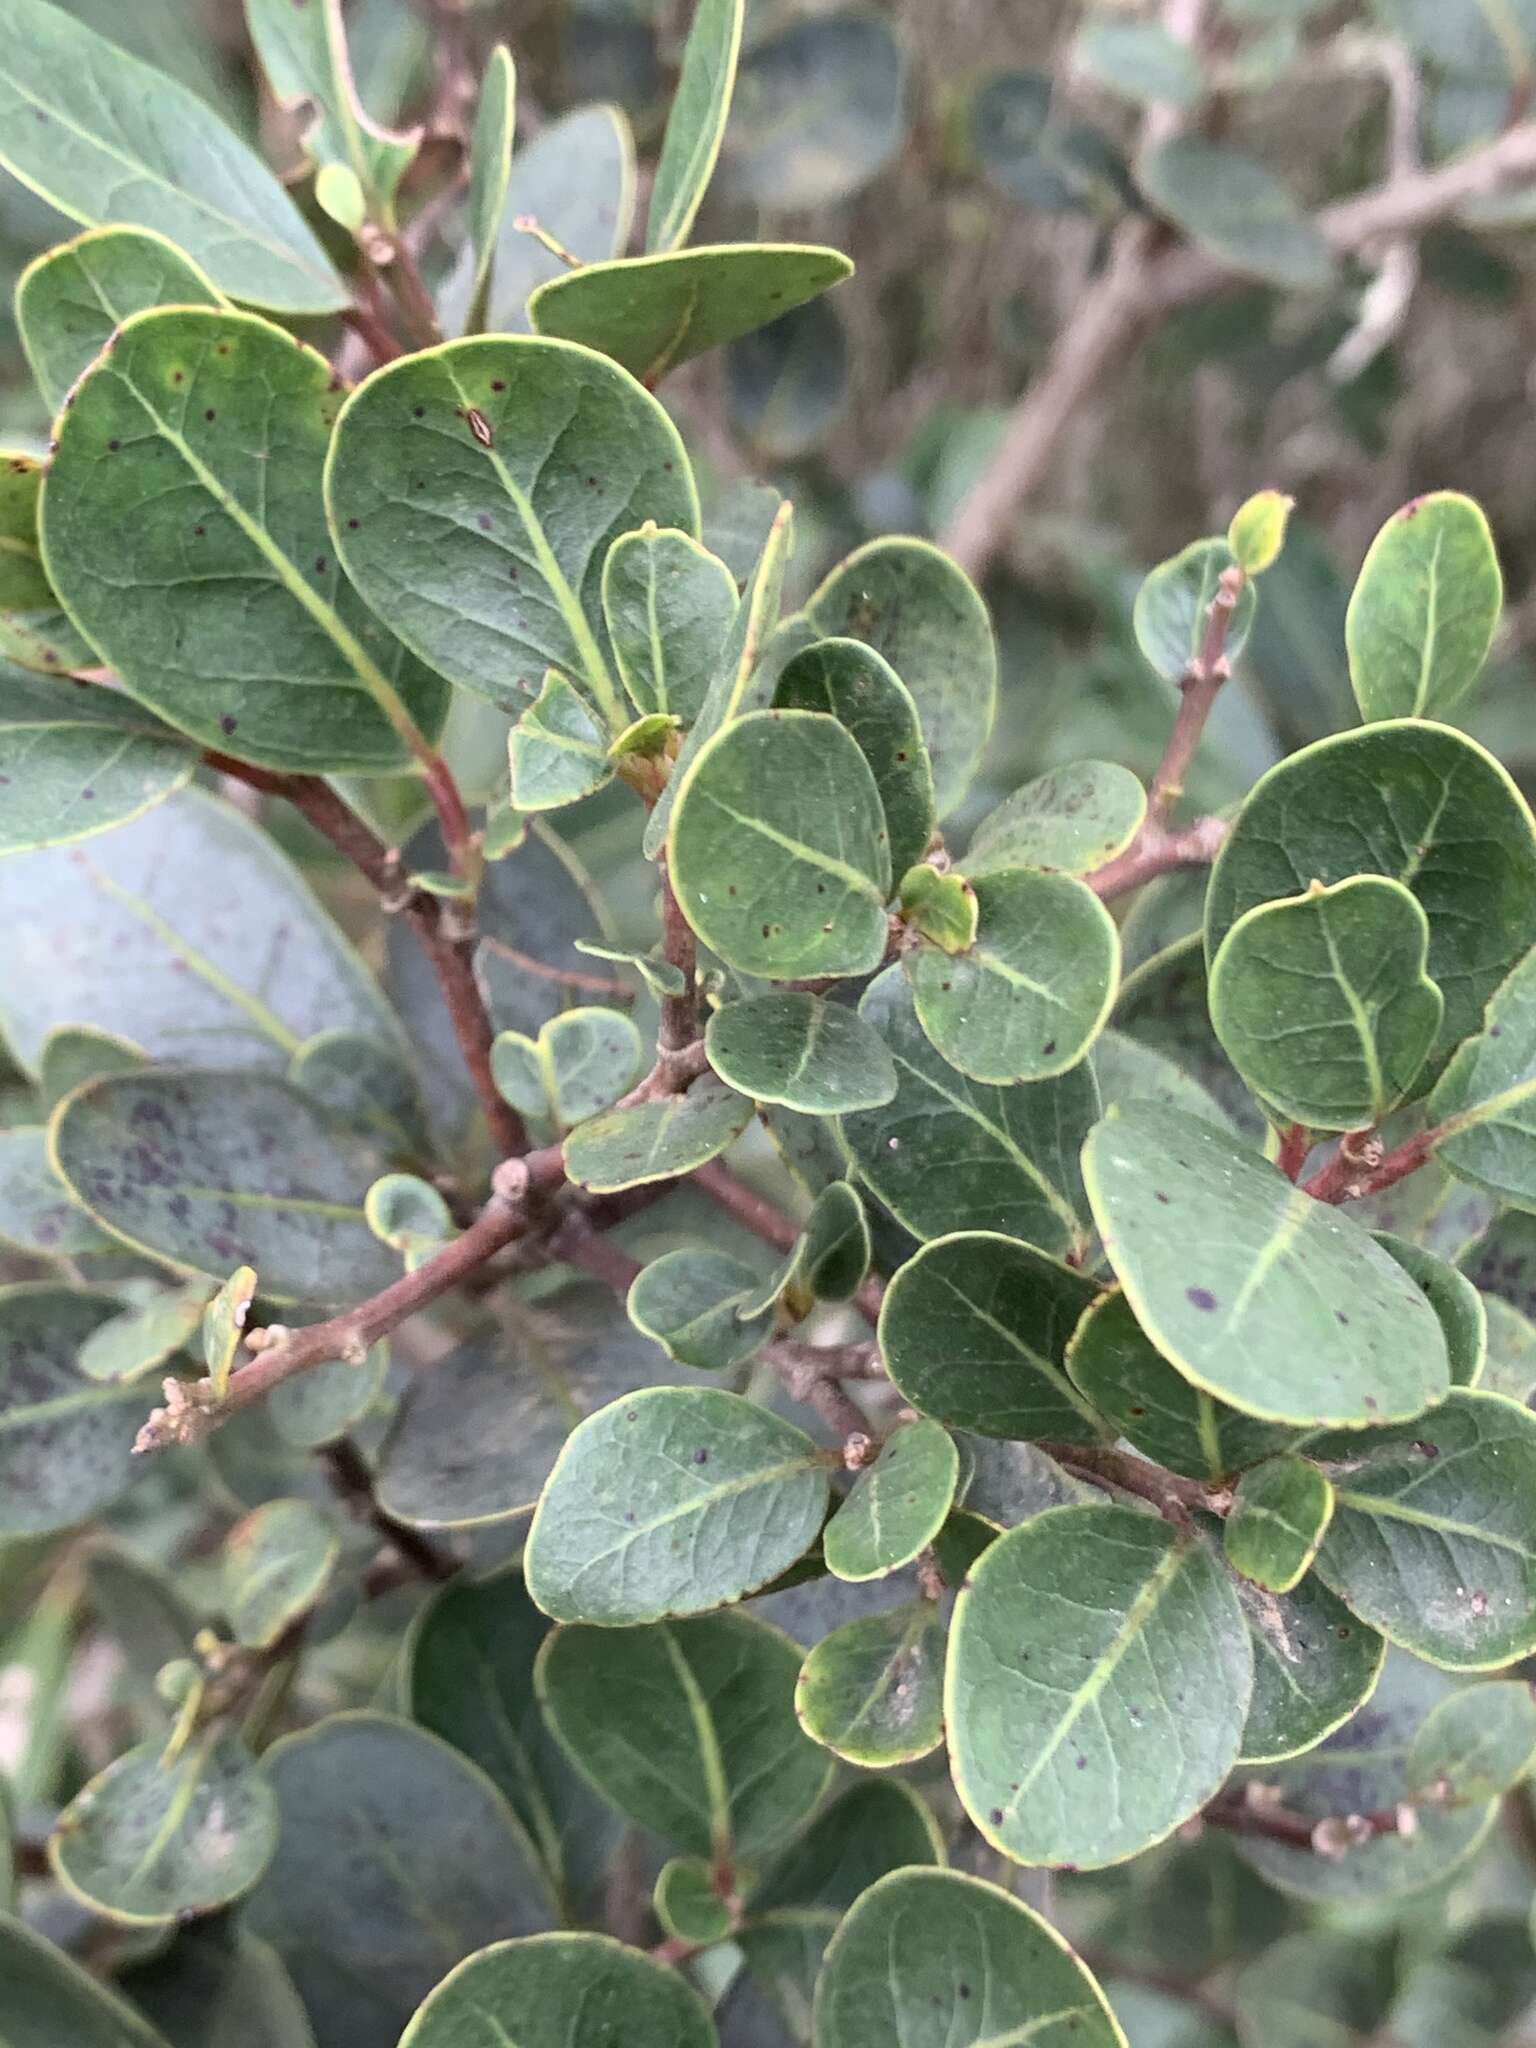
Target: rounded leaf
x=1027 y=1000
x=1084 y=1735
x=668 y=604
x=1278 y=1516
x=1276 y=1303
x=872 y=1691
x=278 y=1562
x=1424 y=609
x=896 y=1505
x=691 y=1301
x=558 y=1990
x=659 y=1140
x=1233 y=207
x=152 y=1838
x=688 y=1902
x=936 y=1959
x=1474 y=1745
x=1173 y=608
x=1314 y=1665
x=672 y=1501
x=801 y=1051
x=66 y=1441
x=1072 y=820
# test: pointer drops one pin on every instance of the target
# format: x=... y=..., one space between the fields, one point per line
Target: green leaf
x=625 y=1148
x=1315 y=1987
x=557 y=749
x=672 y=1501
x=1003 y=1484
x=1236 y=210
x=152 y=1837
x=1141 y=60
x=1429 y=1541
x=1052 y=165
x=37 y=1212
x=1129 y=1071
x=942 y=907
x=33 y=628
x=583 y=1060
x=558 y=1989
x=186 y=933
x=510 y=582
x=872 y=1691
x=469 y=1677
x=278 y=1562
x=1424 y=609
x=652 y=313
x=1487 y=1095
x=696 y=122
x=66 y=1442
x=856 y=685
x=366 y=1084
x=490 y=171
x=79 y=762
x=708 y=1753
x=1121 y=1373
x=734 y=686
x=973 y=1331
x=819 y=109
x=136 y=1340
x=1164 y=1007
x=340 y=197
x=810 y=1055
x=218 y=1987
x=1257 y=532
x=1362 y=1768
x=688 y=1902
x=834 y=1251
x=1510 y=1367
x=896 y=1505
x=1322 y=1003
x=922 y=613
x=314 y=1408
x=70 y=300
x=224 y=1323
x=206 y=1171
x=947 y=1152
x=1314 y=1665
x=1414 y=802
x=162 y=516
x=668 y=604
x=1028 y=999
x=397 y=1858
x=576 y=179
x=1474 y=1745
x=1275 y=1303
x=787 y=384
x=1174 y=603
x=1463 y=1317
x=1072 y=819
x=1084 y=1735
x=779 y=853
x=105 y=138
x=659 y=976
x=303 y=51
x=1280 y=1511
x=76 y=1053
x=51 y=2000
x=936 y=1959
x=690 y=1301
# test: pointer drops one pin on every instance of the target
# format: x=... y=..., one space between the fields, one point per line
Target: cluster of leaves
x=1133 y=1422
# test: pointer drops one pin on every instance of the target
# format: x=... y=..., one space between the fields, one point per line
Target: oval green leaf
x=1280 y=1511
x=184 y=530
x=669 y=1502
x=477 y=536
x=974 y=1331
x=872 y=1691
x=625 y=1148
x=695 y=123
x=1322 y=1003
x=557 y=750
x=50 y=1999
x=1424 y=609
x=779 y=853
x=690 y=1301
x=278 y=1561
x=1274 y=1302
x=1026 y=1001
x=66 y=1441
x=798 y=1050
x=1474 y=1745
x=559 y=1990
x=1084 y=1735
x=669 y=605
x=936 y=1959
x=1235 y=209
x=1314 y=1665
x=1173 y=608
x=77 y=762
x=708 y=1753
x=896 y=1505
x=1072 y=820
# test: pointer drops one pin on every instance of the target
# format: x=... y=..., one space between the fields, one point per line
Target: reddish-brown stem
x=450 y=952
x=349 y=1473
x=750 y=1209
x=1353 y=1172
x=458 y=839
x=1199 y=688
x=679 y=1014
x=1156 y=851
x=516 y=1205
x=598 y=985
x=1295 y=1144
x=1172 y=1496
x=1278 y=1824
x=580 y=1245
x=364 y=322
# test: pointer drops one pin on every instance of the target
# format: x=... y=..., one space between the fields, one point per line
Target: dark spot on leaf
x=996 y=1816
x=418 y=412
x=353 y=524
x=319 y=565
x=701 y=1457
x=1048 y=1048
x=1136 y=1411
x=1340 y=1317
x=631 y=1415
x=1159 y=1196
x=1343 y=1632
x=210 y=415
x=498 y=385
x=113 y=446
x=484 y=522
x=1200 y=1298
x=1426 y=1449
x=228 y=722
